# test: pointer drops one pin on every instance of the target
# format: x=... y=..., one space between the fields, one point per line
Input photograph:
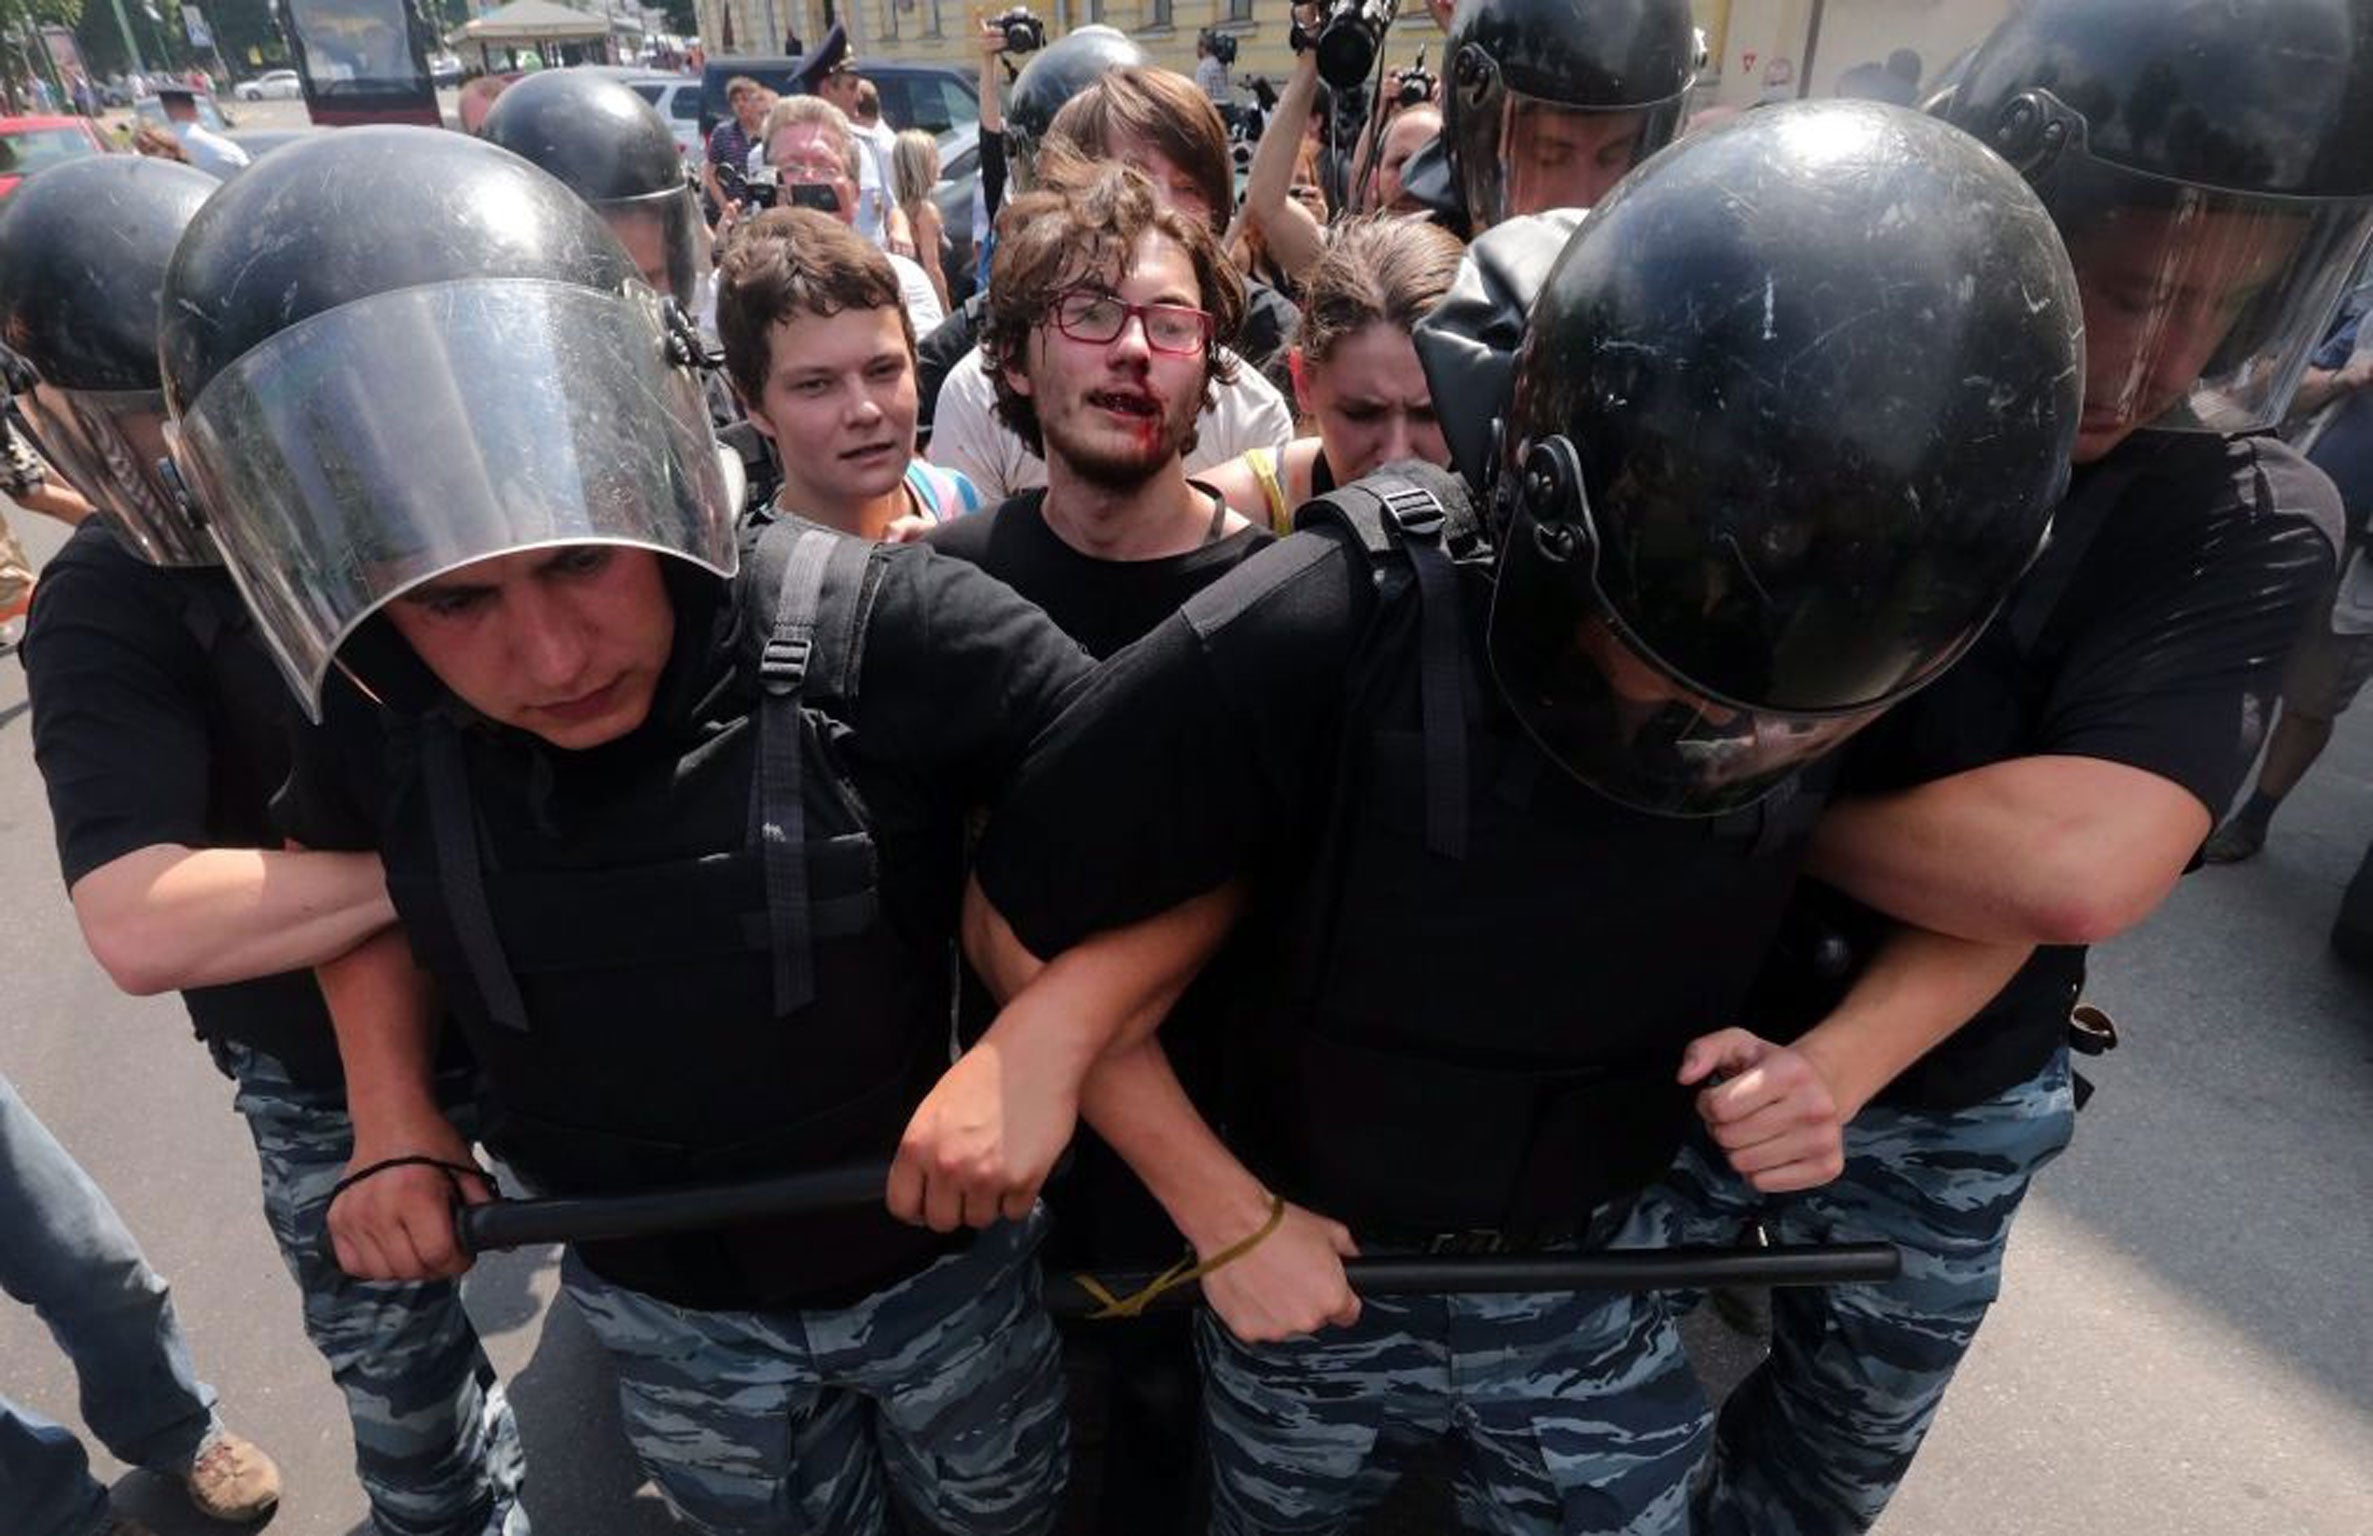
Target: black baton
x=1607 y=1269
x=519 y=1223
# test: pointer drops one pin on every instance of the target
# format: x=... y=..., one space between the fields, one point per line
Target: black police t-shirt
x=160 y=719
x=1105 y=605
x=1102 y=604
x=2164 y=652
x=958 y=674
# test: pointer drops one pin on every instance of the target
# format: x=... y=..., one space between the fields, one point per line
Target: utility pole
x=124 y=24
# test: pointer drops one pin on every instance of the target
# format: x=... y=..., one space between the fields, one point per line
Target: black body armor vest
x=1491 y=971
x=736 y=1010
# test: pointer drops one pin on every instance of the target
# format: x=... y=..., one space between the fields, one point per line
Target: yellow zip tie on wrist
x=1184 y=1272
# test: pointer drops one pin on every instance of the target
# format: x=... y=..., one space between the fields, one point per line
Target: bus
x=363 y=61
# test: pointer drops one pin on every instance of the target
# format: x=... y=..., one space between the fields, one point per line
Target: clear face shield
x=668 y=240
x=2202 y=307
x=1622 y=717
x=374 y=446
x=110 y=445
x=1521 y=154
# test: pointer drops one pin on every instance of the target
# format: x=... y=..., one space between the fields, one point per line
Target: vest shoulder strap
x=818 y=583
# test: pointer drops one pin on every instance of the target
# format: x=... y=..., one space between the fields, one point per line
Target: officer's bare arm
x=1917 y=989
x=1779 y=1112
x=986 y=1136
x=165 y=918
x=2038 y=850
x=397 y=1225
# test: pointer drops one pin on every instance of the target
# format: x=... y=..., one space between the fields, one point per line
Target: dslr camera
x=1024 y=33
x=1220 y=45
x=1349 y=35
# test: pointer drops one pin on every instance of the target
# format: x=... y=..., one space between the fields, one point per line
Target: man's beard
x=1122 y=469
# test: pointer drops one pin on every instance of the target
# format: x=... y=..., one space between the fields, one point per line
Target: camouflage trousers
x=435 y=1447
x=1815 y=1440
x=943 y=1392
x=1573 y=1413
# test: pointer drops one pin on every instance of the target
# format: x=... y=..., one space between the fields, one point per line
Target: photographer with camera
x=1292 y=235
x=817 y=162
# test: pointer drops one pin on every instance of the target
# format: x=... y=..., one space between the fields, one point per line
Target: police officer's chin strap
x=1468 y=343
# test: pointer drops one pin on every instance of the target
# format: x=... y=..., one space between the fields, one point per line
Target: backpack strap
x=453 y=824
x=819 y=612
x=1388 y=512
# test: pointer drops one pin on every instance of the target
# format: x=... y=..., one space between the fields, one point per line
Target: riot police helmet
x=83 y=249
x=1053 y=76
x=1548 y=103
x=2210 y=165
x=1745 y=506
x=391 y=352
x=613 y=150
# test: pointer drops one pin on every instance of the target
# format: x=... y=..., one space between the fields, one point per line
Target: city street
x=2185 y=1347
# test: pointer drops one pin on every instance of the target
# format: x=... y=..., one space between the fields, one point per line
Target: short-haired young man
x=822 y=355
x=1157 y=123
x=810 y=144
x=1110 y=311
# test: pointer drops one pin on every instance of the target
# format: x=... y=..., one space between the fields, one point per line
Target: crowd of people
x=1548 y=680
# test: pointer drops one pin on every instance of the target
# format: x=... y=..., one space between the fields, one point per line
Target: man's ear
x=1016 y=379
x=754 y=413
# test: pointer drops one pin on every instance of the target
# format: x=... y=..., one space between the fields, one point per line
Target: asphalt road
x=2185 y=1347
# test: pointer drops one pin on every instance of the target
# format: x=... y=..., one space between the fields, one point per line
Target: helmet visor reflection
x=2202 y=307
x=374 y=446
x=1619 y=720
x=108 y=445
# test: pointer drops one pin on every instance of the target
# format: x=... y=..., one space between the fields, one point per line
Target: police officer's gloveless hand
x=1769 y=1108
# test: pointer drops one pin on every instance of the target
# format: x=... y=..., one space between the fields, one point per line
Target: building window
x=1240 y=10
x=935 y=31
x=890 y=20
x=1095 y=10
x=1160 y=19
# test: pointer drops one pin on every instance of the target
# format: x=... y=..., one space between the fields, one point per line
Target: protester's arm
x=167 y=917
x=1290 y=1282
x=1780 y=1112
x=2037 y=850
x=395 y=1225
x=1295 y=238
x=987 y=1135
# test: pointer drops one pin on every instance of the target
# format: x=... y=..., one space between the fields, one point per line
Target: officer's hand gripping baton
x=520 y=1223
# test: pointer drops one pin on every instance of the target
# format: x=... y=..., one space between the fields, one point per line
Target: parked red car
x=29 y=144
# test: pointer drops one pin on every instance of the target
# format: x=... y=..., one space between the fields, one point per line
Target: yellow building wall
x=1753 y=43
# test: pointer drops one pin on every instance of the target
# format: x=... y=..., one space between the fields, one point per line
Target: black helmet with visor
x=391 y=352
x=83 y=250
x=1792 y=413
x=2210 y=165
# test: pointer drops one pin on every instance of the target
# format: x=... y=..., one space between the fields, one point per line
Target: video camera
x=1024 y=33
x=1348 y=37
x=1417 y=84
x=1220 y=45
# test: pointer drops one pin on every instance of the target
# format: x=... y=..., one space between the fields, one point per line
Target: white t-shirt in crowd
x=922 y=301
x=966 y=435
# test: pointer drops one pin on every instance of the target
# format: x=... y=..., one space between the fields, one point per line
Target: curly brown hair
x=795 y=261
x=1083 y=223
